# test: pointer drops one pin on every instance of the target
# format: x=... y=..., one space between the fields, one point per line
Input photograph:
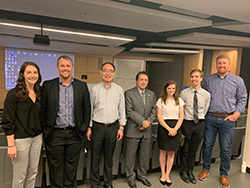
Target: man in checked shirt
x=228 y=101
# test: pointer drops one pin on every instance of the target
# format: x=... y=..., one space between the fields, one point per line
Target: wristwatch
x=122 y=128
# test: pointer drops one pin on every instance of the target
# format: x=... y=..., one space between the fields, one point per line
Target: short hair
x=64 y=57
x=223 y=56
x=141 y=72
x=197 y=70
x=109 y=64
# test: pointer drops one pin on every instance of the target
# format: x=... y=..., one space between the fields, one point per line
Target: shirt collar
x=105 y=86
x=192 y=89
x=140 y=91
x=227 y=75
x=71 y=82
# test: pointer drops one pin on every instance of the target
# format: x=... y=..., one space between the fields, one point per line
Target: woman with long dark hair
x=170 y=114
x=21 y=123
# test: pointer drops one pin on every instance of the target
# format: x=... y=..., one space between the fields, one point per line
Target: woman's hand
x=172 y=132
x=12 y=152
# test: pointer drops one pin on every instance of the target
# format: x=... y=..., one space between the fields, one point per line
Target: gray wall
x=160 y=72
x=245 y=67
x=207 y=62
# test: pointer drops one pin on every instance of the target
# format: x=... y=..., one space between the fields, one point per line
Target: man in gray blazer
x=141 y=112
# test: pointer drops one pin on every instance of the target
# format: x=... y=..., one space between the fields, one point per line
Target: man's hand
x=88 y=134
x=141 y=128
x=146 y=124
x=233 y=117
x=119 y=134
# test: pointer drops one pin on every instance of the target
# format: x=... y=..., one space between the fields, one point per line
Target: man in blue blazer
x=65 y=116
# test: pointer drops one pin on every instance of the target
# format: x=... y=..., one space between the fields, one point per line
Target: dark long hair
x=21 y=89
x=164 y=93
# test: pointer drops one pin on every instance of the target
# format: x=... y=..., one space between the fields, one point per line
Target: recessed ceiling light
x=83 y=14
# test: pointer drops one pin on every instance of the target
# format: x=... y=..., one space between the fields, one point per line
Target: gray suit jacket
x=137 y=112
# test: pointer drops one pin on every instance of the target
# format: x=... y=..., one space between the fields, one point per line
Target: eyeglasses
x=108 y=71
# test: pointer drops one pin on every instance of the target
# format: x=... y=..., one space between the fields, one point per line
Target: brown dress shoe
x=224 y=181
x=203 y=175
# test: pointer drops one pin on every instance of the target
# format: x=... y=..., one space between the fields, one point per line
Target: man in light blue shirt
x=107 y=124
x=228 y=101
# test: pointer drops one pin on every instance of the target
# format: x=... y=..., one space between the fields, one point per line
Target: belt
x=200 y=120
x=64 y=128
x=107 y=124
x=221 y=115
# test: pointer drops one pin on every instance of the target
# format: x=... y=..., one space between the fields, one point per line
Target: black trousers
x=103 y=139
x=193 y=136
x=63 y=150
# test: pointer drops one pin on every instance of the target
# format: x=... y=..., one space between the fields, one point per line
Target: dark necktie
x=143 y=97
x=195 y=108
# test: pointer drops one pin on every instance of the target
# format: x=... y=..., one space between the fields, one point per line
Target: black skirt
x=166 y=142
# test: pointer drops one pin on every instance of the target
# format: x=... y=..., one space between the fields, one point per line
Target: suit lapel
x=147 y=96
x=56 y=93
x=75 y=93
x=138 y=96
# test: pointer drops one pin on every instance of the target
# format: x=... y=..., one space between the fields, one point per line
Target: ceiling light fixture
x=167 y=51
x=189 y=46
x=69 y=32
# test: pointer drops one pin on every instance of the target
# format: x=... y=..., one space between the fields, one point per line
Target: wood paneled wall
x=233 y=54
x=191 y=61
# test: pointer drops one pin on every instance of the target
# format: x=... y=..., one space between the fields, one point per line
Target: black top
x=21 y=118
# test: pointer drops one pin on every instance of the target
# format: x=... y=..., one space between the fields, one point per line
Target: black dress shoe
x=168 y=183
x=132 y=184
x=145 y=182
x=184 y=176
x=191 y=177
x=107 y=186
x=162 y=182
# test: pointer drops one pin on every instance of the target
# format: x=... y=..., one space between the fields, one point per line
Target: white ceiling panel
x=236 y=10
x=107 y=13
x=212 y=39
x=26 y=32
x=27 y=43
x=234 y=27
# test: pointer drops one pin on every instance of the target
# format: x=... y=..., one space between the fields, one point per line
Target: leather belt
x=221 y=115
x=64 y=128
x=107 y=124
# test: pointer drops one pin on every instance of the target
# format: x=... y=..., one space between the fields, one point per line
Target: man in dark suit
x=65 y=116
x=141 y=112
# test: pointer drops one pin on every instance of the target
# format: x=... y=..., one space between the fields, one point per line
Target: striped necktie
x=195 y=108
x=143 y=97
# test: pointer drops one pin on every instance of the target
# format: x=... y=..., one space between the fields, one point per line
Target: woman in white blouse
x=170 y=114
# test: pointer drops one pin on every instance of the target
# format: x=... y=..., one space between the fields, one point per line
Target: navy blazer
x=50 y=106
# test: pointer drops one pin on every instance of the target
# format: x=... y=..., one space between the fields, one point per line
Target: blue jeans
x=213 y=126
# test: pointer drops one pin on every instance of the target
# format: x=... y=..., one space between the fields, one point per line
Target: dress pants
x=193 y=136
x=26 y=164
x=132 y=144
x=63 y=150
x=103 y=138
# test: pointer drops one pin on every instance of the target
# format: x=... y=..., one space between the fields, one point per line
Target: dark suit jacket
x=50 y=106
x=137 y=112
